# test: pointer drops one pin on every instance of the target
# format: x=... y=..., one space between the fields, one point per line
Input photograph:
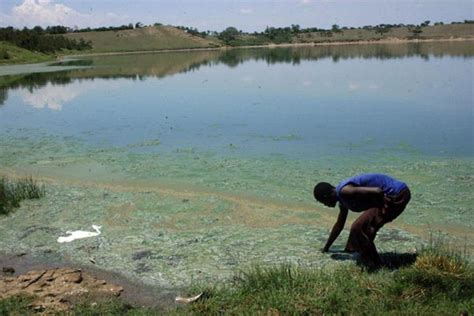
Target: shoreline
x=312 y=44
x=134 y=292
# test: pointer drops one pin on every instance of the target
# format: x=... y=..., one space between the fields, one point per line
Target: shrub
x=4 y=54
x=13 y=192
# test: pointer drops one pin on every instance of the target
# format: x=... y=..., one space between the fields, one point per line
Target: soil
x=57 y=284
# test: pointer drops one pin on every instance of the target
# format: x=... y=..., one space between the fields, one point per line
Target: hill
x=143 y=39
x=435 y=32
x=12 y=54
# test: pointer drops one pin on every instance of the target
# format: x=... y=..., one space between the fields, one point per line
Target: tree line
x=277 y=35
x=46 y=40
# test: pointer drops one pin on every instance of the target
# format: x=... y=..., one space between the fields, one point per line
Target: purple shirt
x=389 y=185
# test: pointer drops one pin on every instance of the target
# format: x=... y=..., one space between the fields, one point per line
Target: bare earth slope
x=143 y=39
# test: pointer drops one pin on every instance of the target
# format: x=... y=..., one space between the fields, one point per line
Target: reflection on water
x=330 y=99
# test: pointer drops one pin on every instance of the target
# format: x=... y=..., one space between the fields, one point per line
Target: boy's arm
x=354 y=191
x=337 y=228
x=373 y=193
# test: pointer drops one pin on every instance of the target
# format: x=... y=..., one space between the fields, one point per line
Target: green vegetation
x=42 y=40
x=149 y=38
x=16 y=305
x=439 y=282
x=294 y=34
x=138 y=37
x=13 y=192
x=11 y=54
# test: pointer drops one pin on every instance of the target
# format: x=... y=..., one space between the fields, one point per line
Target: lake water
x=198 y=164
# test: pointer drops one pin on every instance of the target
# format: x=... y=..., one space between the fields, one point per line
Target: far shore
x=335 y=43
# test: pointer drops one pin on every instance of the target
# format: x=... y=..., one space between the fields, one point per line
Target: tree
x=295 y=28
x=416 y=31
x=228 y=35
x=426 y=23
x=336 y=29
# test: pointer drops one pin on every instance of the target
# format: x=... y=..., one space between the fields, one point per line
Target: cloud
x=54 y=97
x=48 y=12
x=50 y=96
x=306 y=1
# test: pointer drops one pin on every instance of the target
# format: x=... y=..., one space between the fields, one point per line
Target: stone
x=54 y=288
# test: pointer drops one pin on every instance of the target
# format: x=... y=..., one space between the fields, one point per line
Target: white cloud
x=306 y=1
x=48 y=12
x=50 y=96
x=45 y=12
x=54 y=97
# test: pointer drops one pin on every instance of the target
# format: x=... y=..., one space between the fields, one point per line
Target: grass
x=16 y=305
x=12 y=54
x=13 y=192
x=439 y=282
x=430 y=32
x=143 y=39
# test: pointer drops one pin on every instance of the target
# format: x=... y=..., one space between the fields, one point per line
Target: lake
x=198 y=164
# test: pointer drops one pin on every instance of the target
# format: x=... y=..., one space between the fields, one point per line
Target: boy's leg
x=362 y=235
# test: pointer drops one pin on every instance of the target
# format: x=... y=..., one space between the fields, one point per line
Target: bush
x=13 y=192
x=4 y=54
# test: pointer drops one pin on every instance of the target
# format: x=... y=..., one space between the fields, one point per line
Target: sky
x=216 y=15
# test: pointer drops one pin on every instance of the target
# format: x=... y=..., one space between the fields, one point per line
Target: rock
x=53 y=289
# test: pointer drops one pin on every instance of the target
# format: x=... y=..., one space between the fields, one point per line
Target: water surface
x=197 y=164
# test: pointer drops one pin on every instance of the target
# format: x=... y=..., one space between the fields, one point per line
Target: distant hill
x=434 y=32
x=158 y=38
x=143 y=39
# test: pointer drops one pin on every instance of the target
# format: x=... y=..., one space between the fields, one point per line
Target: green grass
x=11 y=54
x=143 y=39
x=13 y=192
x=439 y=282
x=16 y=305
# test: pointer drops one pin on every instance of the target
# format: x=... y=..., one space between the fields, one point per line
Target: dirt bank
x=55 y=281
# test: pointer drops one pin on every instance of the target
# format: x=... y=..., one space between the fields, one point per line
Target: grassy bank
x=148 y=38
x=439 y=282
x=13 y=192
x=11 y=54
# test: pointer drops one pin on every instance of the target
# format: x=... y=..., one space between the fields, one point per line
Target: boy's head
x=325 y=193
